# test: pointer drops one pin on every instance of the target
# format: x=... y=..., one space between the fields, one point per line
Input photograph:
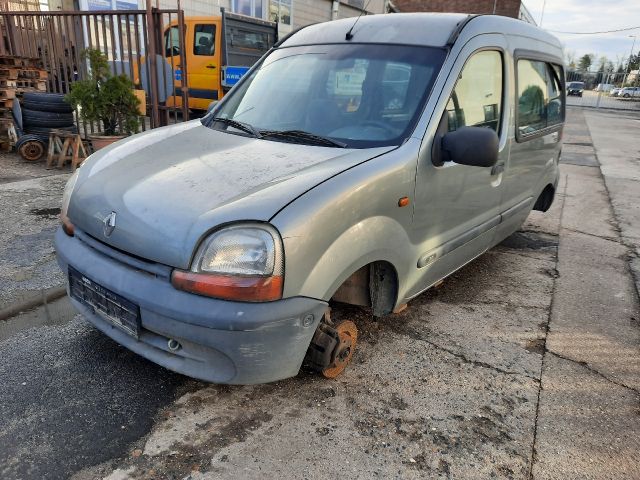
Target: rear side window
x=476 y=100
x=204 y=40
x=540 y=97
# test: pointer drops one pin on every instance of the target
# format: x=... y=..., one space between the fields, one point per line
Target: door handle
x=211 y=66
x=499 y=168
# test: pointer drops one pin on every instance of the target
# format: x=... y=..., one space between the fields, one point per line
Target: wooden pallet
x=7 y=93
x=21 y=83
x=13 y=61
x=10 y=73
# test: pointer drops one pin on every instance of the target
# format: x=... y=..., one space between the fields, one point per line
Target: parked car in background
x=629 y=92
x=604 y=87
x=575 y=88
x=350 y=165
x=615 y=91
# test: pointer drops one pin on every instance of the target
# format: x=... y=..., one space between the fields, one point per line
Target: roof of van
x=432 y=29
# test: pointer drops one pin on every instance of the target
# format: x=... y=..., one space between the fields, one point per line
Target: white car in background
x=614 y=92
x=628 y=92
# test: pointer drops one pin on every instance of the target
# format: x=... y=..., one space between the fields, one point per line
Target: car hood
x=170 y=186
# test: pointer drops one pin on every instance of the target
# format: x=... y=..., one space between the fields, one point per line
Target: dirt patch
x=45 y=212
x=530 y=241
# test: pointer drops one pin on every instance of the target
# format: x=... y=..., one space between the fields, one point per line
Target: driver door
x=457 y=207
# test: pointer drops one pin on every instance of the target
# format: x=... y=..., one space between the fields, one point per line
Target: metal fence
x=132 y=40
x=604 y=90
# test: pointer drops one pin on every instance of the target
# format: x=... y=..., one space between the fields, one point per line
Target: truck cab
x=218 y=50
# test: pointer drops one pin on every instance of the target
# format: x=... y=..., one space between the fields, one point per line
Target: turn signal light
x=227 y=287
x=67 y=226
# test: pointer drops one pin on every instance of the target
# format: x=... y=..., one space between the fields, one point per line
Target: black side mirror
x=474 y=146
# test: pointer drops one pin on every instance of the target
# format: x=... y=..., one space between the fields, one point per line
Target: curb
x=47 y=296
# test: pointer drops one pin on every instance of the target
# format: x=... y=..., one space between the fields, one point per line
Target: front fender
x=348 y=221
x=356 y=247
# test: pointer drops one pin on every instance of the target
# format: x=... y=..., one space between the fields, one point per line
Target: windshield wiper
x=245 y=127
x=300 y=136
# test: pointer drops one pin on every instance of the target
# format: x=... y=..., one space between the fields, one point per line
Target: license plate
x=114 y=308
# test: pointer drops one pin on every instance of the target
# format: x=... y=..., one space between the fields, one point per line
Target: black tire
x=46 y=102
x=31 y=147
x=47 y=106
x=44 y=97
x=34 y=118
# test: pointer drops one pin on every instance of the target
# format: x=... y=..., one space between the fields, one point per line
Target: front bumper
x=222 y=341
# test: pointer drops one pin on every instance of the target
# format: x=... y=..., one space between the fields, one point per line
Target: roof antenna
x=349 y=35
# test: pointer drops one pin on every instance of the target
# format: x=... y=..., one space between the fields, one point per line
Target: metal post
x=624 y=80
x=152 y=70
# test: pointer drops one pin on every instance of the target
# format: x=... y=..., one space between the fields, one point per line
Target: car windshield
x=347 y=95
x=576 y=85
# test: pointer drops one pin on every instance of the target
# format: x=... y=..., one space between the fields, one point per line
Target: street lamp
x=629 y=62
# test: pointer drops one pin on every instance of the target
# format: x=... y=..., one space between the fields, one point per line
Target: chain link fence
x=619 y=91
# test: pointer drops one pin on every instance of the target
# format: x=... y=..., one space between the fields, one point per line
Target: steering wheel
x=378 y=124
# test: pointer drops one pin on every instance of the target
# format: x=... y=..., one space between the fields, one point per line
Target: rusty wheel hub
x=31 y=151
x=348 y=336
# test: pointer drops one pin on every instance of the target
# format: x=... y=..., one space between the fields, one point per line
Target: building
x=508 y=8
x=290 y=14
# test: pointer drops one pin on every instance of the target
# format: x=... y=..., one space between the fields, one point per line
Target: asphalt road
x=71 y=398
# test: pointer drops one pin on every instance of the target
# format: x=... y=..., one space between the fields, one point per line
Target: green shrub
x=105 y=98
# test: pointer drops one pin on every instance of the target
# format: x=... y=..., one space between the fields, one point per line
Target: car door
x=457 y=207
x=203 y=73
x=539 y=107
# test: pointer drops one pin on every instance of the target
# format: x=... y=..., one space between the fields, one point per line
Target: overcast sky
x=590 y=16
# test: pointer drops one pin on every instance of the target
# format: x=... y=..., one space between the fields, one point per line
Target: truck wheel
x=332 y=347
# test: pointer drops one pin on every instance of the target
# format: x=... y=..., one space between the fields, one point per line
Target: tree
x=570 y=59
x=633 y=63
x=105 y=98
x=585 y=62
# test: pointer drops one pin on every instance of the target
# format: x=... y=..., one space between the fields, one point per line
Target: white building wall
x=304 y=12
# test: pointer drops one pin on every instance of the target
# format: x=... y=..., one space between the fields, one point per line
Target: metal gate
x=620 y=91
x=133 y=41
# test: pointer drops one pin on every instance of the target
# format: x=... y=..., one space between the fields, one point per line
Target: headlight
x=67 y=226
x=243 y=262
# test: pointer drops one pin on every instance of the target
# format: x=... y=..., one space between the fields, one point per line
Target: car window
x=204 y=40
x=554 y=110
x=476 y=100
x=364 y=96
x=172 y=42
x=540 y=102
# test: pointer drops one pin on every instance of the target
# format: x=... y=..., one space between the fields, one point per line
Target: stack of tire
x=40 y=113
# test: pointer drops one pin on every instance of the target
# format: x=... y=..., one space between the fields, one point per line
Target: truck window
x=172 y=42
x=476 y=100
x=250 y=40
x=540 y=98
x=204 y=40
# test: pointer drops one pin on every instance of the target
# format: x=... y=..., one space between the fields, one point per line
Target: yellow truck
x=218 y=51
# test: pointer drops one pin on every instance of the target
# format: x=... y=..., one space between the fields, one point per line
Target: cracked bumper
x=222 y=341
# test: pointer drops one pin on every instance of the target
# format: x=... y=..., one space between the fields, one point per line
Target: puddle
x=45 y=212
x=529 y=241
x=57 y=312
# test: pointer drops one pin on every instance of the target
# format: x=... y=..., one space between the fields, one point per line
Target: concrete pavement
x=524 y=364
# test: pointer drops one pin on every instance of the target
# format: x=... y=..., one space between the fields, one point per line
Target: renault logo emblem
x=109 y=224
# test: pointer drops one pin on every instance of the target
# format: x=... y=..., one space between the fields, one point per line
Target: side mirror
x=211 y=106
x=474 y=146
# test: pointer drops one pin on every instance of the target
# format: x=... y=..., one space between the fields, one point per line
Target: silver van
x=358 y=162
